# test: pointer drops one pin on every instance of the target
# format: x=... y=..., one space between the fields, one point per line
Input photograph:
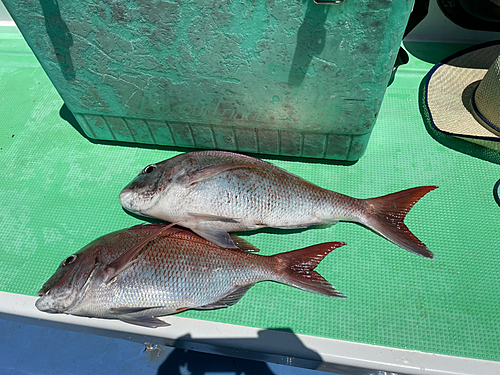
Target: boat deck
x=404 y=313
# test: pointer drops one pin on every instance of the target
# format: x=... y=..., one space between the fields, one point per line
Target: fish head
x=67 y=286
x=147 y=188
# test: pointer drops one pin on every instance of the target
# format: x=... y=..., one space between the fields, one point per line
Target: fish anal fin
x=131 y=310
x=145 y=321
x=228 y=300
x=209 y=217
x=243 y=244
x=208 y=172
x=306 y=225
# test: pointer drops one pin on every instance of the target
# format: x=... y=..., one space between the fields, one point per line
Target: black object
x=328 y=2
x=418 y=13
x=495 y=192
x=472 y=14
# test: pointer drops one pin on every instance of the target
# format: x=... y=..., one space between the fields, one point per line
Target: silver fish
x=119 y=277
x=216 y=192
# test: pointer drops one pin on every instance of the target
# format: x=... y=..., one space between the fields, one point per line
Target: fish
x=113 y=278
x=217 y=192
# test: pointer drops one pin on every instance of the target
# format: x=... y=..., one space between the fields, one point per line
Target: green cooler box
x=289 y=77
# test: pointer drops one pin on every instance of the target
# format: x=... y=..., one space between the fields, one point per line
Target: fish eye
x=149 y=168
x=69 y=260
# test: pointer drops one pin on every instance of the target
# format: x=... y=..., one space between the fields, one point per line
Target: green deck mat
x=59 y=191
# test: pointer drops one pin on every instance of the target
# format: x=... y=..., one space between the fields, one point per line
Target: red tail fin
x=388 y=217
x=298 y=269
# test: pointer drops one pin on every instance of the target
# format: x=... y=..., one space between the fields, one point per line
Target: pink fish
x=115 y=277
x=216 y=192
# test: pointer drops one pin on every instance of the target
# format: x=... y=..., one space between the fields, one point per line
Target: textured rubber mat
x=59 y=191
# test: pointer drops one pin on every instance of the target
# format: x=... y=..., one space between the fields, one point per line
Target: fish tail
x=297 y=269
x=388 y=214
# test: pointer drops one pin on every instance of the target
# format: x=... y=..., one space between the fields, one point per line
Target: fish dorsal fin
x=244 y=244
x=208 y=172
x=230 y=299
x=120 y=263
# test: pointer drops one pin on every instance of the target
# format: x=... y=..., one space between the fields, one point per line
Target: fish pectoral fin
x=119 y=264
x=145 y=321
x=243 y=244
x=208 y=172
x=208 y=217
x=218 y=236
x=230 y=299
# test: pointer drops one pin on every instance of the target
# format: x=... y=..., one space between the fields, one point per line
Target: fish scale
x=174 y=271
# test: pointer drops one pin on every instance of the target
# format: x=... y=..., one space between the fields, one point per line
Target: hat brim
x=449 y=87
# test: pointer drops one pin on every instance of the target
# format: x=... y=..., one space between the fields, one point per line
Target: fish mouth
x=41 y=304
x=44 y=304
x=43 y=292
x=126 y=198
x=129 y=201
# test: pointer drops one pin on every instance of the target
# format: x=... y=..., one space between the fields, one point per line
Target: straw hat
x=463 y=95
